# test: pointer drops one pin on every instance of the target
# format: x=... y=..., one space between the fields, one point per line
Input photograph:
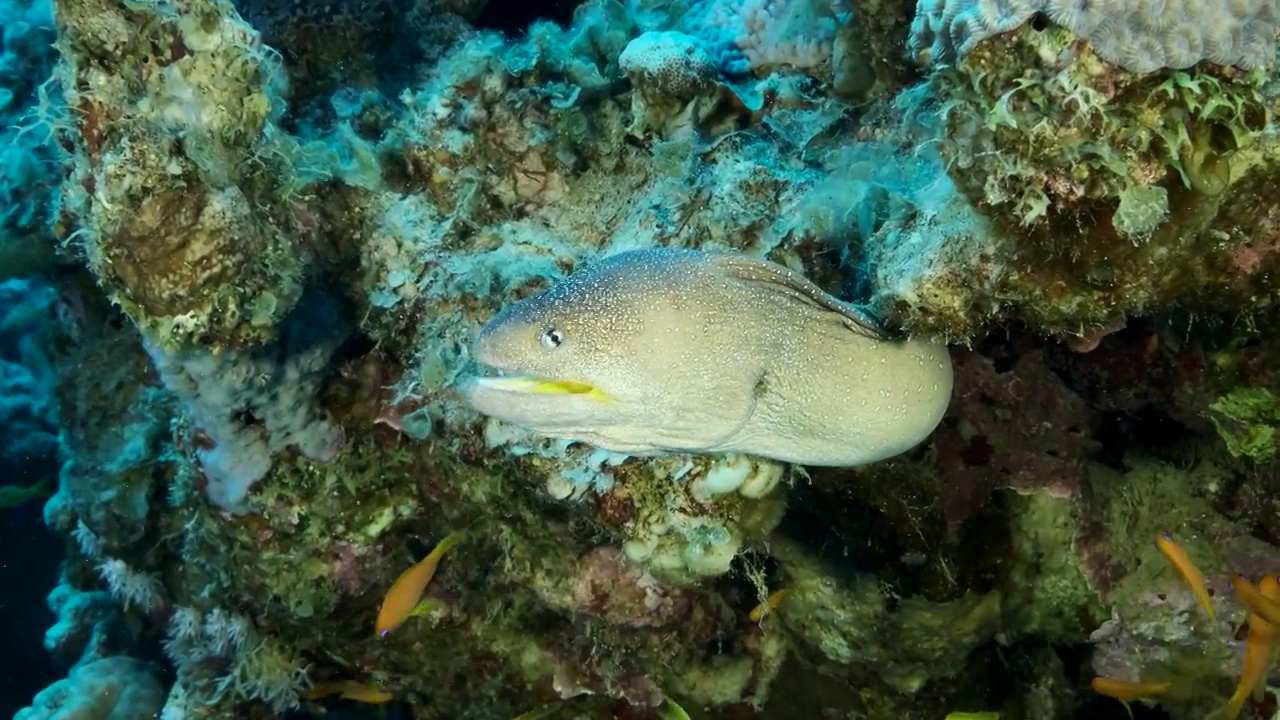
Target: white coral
x=1138 y=35
x=668 y=63
x=754 y=35
x=131 y=587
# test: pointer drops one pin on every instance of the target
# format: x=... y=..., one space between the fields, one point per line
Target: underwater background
x=350 y=370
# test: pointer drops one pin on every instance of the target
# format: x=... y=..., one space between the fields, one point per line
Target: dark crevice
x=513 y=17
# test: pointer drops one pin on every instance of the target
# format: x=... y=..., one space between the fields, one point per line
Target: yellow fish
x=1178 y=558
x=1258 y=651
x=349 y=690
x=1126 y=692
x=1266 y=608
x=770 y=604
x=406 y=591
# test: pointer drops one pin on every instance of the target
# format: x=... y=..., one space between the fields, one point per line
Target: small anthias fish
x=770 y=604
x=406 y=592
x=666 y=350
x=1262 y=606
x=1181 y=563
x=349 y=690
x=1259 y=649
x=1126 y=692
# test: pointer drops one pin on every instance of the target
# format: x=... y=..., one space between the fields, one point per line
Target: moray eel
x=663 y=350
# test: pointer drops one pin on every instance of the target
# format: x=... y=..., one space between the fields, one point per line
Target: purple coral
x=1012 y=424
x=606 y=586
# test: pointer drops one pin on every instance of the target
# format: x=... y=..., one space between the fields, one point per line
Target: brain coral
x=1138 y=35
x=669 y=62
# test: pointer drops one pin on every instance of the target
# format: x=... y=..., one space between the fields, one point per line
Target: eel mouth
x=535 y=385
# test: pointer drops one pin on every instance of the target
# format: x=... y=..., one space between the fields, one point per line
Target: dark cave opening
x=1149 y=429
x=360 y=39
x=513 y=17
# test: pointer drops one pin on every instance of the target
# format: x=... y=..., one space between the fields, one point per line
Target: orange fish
x=407 y=590
x=1258 y=650
x=1266 y=608
x=1127 y=692
x=1178 y=558
x=770 y=604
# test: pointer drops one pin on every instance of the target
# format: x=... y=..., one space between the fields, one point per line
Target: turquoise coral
x=113 y=688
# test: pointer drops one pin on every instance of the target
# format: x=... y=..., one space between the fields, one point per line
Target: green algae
x=1246 y=420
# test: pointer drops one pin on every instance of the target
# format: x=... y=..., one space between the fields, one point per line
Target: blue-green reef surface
x=982 y=301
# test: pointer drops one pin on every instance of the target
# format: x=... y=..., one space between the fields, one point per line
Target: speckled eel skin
x=664 y=350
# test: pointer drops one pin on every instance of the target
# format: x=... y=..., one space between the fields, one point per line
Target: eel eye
x=551 y=338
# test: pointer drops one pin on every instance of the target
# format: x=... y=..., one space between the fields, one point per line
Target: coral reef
x=177 y=152
x=27 y=409
x=114 y=688
x=266 y=267
x=1140 y=37
x=29 y=166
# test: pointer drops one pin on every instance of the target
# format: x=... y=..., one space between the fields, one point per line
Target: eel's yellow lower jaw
x=543 y=386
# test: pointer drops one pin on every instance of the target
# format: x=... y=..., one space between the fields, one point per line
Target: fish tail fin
x=1232 y=709
x=446 y=544
x=1208 y=609
x=671 y=710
